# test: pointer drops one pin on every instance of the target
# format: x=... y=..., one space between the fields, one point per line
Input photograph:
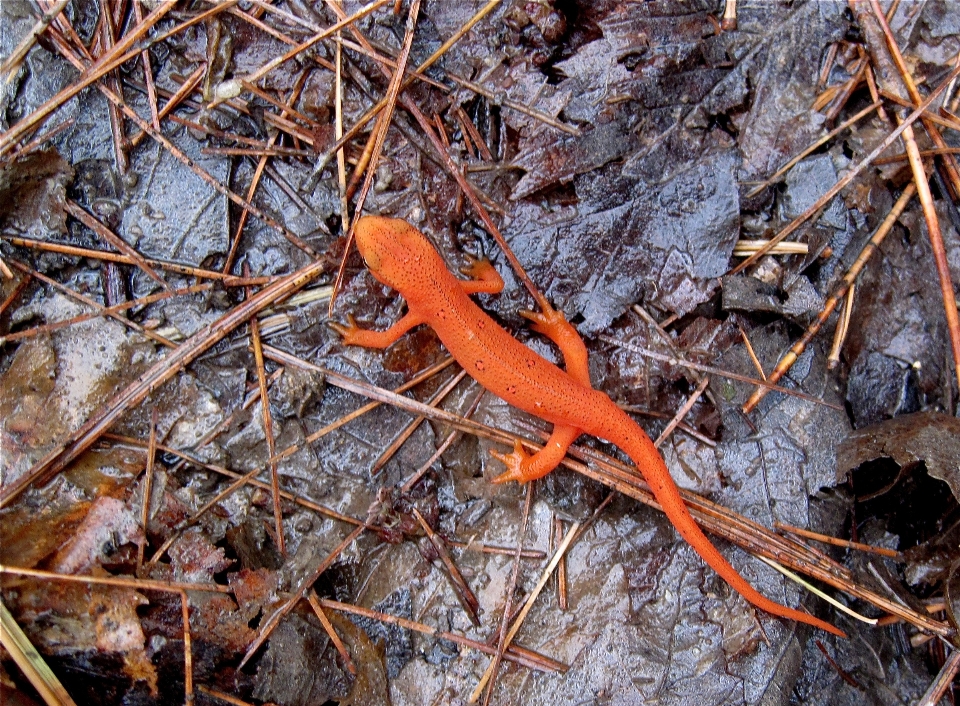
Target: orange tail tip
x=801 y=617
x=835 y=631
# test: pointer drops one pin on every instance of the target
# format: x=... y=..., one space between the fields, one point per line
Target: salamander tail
x=635 y=442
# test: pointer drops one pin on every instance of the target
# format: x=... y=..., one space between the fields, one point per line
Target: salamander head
x=396 y=253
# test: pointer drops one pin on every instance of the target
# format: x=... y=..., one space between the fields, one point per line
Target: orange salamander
x=402 y=258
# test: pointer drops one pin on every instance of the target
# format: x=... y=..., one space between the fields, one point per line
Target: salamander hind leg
x=554 y=325
x=522 y=467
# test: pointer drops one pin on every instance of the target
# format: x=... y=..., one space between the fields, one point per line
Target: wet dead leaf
x=108 y=525
x=299 y=666
x=195 y=559
x=669 y=242
x=254 y=590
x=70 y=618
x=371 y=685
x=33 y=190
x=55 y=382
x=932 y=438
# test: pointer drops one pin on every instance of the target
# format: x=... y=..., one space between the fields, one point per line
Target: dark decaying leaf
x=299 y=666
x=397 y=642
x=627 y=240
x=33 y=191
x=953 y=593
x=930 y=438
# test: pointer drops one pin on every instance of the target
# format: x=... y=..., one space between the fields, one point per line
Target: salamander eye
x=372 y=260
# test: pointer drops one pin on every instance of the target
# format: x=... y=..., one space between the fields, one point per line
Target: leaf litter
x=622 y=139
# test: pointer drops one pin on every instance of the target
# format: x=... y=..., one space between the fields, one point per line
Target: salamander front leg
x=523 y=467
x=483 y=278
x=353 y=335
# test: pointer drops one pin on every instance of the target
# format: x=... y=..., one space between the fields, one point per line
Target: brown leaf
x=196 y=559
x=108 y=525
x=931 y=437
